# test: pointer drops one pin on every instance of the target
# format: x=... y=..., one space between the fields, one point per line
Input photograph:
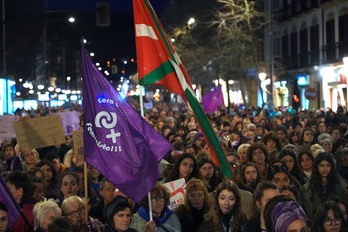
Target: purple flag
x=8 y=200
x=212 y=100
x=117 y=140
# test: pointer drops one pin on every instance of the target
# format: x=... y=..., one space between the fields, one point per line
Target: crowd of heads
x=289 y=172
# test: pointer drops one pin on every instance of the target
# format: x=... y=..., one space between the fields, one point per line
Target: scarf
x=165 y=214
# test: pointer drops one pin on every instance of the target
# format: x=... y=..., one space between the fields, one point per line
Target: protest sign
x=177 y=189
x=7 y=131
x=40 y=132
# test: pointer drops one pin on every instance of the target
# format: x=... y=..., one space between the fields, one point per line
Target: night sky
x=24 y=29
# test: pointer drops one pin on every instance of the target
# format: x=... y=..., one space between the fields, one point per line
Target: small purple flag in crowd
x=117 y=140
x=8 y=200
x=213 y=100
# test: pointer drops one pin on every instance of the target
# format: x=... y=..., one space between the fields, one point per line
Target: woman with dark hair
x=68 y=182
x=328 y=217
x=118 y=216
x=258 y=154
x=306 y=160
x=290 y=159
x=229 y=215
x=273 y=145
x=52 y=187
x=293 y=192
x=335 y=134
x=208 y=173
x=293 y=137
x=282 y=214
x=22 y=189
x=264 y=192
x=197 y=205
x=184 y=167
x=306 y=140
x=163 y=217
x=249 y=177
x=325 y=184
x=280 y=176
x=4 y=218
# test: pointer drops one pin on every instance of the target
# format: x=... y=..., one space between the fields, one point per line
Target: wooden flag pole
x=86 y=189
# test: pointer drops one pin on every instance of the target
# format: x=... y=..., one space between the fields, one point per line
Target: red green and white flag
x=158 y=63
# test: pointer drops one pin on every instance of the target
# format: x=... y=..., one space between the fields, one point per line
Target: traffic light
x=296 y=98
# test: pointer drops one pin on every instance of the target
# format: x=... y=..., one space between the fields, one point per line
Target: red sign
x=311 y=93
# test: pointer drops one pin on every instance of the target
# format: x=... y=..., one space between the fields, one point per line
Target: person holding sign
x=163 y=217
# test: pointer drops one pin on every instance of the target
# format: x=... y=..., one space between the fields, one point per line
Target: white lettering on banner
x=101 y=144
x=106 y=101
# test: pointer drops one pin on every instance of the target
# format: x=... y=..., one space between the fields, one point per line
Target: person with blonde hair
x=73 y=207
x=242 y=152
x=197 y=204
x=31 y=158
x=44 y=213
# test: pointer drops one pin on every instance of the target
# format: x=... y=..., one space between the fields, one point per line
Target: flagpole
x=86 y=190
x=142 y=115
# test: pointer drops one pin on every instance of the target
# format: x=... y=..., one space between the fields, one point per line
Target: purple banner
x=117 y=140
x=213 y=100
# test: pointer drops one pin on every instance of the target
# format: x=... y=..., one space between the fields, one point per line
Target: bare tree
x=224 y=43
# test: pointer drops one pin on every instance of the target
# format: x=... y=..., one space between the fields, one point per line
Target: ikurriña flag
x=158 y=63
x=152 y=39
x=7 y=199
x=117 y=140
x=213 y=100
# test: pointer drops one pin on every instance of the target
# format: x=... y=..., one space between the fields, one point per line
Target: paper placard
x=78 y=142
x=70 y=121
x=177 y=189
x=40 y=132
x=7 y=130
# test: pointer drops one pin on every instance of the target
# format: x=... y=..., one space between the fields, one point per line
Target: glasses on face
x=157 y=198
x=332 y=221
x=79 y=212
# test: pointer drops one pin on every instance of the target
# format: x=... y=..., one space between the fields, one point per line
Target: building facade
x=306 y=47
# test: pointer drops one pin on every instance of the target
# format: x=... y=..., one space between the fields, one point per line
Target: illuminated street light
x=71 y=19
x=191 y=22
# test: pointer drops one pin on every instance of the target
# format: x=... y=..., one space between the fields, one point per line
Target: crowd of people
x=290 y=173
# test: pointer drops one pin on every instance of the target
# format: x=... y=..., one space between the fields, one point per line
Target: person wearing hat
x=118 y=216
x=283 y=214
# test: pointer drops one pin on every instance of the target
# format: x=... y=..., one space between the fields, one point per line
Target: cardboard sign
x=7 y=130
x=177 y=189
x=40 y=132
x=78 y=142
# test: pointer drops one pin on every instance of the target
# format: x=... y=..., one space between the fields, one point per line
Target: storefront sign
x=311 y=93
